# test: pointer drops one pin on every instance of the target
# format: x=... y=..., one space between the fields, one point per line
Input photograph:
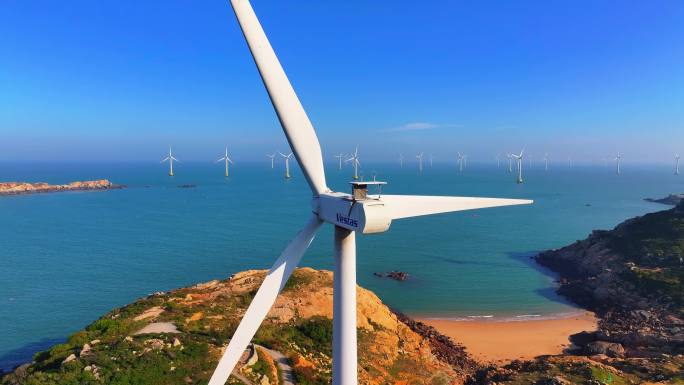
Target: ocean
x=67 y=258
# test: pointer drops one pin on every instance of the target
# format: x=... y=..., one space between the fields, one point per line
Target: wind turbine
x=432 y=157
x=510 y=162
x=272 y=156
x=354 y=158
x=546 y=161
x=569 y=162
x=677 y=164
x=401 y=160
x=287 y=164
x=460 y=158
x=519 y=161
x=349 y=214
x=170 y=158
x=498 y=161
x=420 y=162
x=226 y=159
x=617 y=163
x=340 y=157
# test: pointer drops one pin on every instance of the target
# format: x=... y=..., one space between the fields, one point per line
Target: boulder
x=611 y=349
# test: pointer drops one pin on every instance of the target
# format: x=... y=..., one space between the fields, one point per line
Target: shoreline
x=501 y=340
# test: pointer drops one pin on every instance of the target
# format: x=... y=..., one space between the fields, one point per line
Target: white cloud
x=421 y=126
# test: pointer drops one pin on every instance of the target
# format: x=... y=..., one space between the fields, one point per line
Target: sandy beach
x=502 y=341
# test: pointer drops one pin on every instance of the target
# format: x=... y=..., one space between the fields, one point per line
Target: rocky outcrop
x=15 y=188
x=672 y=199
x=394 y=274
x=631 y=277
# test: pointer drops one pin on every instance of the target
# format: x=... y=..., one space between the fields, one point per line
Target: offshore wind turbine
x=617 y=163
x=170 y=158
x=460 y=158
x=350 y=214
x=340 y=157
x=420 y=162
x=401 y=160
x=519 y=161
x=546 y=161
x=498 y=161
x=355 y=160
x=287 y=164
x=432 y=157
x=510 y=162
x=226 y=159
x=676 y=164
x=272 y=156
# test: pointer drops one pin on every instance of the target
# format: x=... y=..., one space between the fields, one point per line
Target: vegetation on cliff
x=177 y=338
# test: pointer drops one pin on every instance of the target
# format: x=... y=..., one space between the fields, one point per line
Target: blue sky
x=120 y=80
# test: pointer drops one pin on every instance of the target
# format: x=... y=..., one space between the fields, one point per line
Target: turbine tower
x=677 y=164
x=519 y=161
x=460 y=158
x=340 y=157
x=350 y=214
x=355 y=160
x=510 y=163
x=498 y=161
x=617 y=163
x=287 y=164
x=401 y=160
x=170 y=158
x=432 y=157
x=226 y=159
x=272 y=156
x=420 y=162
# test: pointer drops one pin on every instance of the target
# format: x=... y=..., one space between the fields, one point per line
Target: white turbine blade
x=406 y=206
x=164 y=160
x=174 y=159
x=298 y=129
x=358 y=162
x=263 y=300
x=230 y=161
x=224 y=158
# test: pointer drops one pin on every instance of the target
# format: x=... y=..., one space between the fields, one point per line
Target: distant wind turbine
x=226 y=159
x=546 y=162
x=461 y=159
x=677 y=164
x=355 y=160
x=401 y=160
x=519 y=161
x=340 y=157
x=272 y=156
x=287 y=164
x=498 y=161
x=432 y=157
x=617 y=163
x=420 y=162
x=569 y=162
x=510 y=162
x=170 y=158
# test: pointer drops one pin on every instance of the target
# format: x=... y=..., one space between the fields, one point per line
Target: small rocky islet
x=631 y=276
x=18 y=188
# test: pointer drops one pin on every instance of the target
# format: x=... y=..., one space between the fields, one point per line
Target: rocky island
x=16 y=188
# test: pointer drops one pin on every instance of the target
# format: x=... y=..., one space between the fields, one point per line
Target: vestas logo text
x=347 y=221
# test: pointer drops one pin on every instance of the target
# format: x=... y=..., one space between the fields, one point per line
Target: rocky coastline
x=18 y=188
x=630 y=278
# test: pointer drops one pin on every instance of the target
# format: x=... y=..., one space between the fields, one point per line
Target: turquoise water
x=66 y=258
